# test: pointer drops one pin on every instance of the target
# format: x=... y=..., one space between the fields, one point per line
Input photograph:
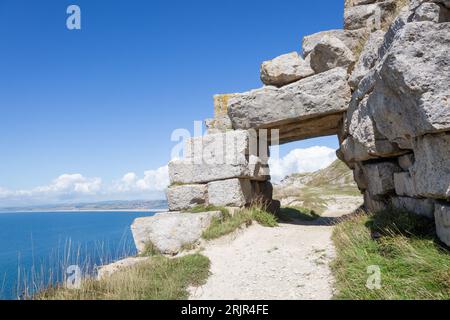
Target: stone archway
x=381 y=87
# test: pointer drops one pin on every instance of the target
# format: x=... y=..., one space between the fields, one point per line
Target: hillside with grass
x=321 y=190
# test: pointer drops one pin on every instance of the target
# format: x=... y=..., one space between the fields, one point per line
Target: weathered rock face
x=373 y=16
x=230 y=193
x=168 y=233
x=285 y=69
x=400 y=110
x=411 y=96
x=331 y=53
x=186 y=196
x=309 y=99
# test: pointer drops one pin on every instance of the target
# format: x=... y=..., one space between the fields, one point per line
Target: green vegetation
x=298 y=213
x=203 y=208
x=160 y=278
x=229 y=223
x=149 y=250
x=413 y=265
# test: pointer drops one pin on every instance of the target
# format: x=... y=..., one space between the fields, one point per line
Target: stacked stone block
x=219 y=169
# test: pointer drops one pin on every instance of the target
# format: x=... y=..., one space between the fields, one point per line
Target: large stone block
x=374 y=205
x=232 y=147
x=431 y=170
x=185 y=171
x=298 y=104
x=442 y=218
x=380 y=178
x=168 y=233
x=423 y=207
x=331 y=53
x=411 y=96
x=185 y=196
x=353 y=39
x=230 y=193
x=285 y=69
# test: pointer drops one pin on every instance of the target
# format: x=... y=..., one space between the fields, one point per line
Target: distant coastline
x=105 y=206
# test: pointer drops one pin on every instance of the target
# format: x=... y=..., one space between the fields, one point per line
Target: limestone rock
x=185 y=196
x=372 y=16
x=380 y=178
x=285 y=69
x=353 y=39
x=310 y=99
x=169 y=232
x=406 y=161
x=431 y=170
x=368 y=142
x=187 y=172
x=368 y=58
x=427 y=11
x=442 y=218
x=423 y=207
x=230 y=147
x=411 y=96
x=404 y=184
x=331 y=53
x=230 y=193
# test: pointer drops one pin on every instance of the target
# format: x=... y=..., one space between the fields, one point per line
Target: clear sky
x=101 y=102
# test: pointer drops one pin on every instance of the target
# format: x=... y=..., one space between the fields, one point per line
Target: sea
x=41 y=249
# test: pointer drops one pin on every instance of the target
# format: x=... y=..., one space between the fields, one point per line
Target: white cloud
x=153 y=180
x=301 y=161
x=76 y=187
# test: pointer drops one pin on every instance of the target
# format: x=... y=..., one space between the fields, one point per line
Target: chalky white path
x=287 y=262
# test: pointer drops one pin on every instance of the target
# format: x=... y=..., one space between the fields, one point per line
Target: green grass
x=203 y=208
x=413 y=264
x=245 y=217
x=160 y=278
x=298 y=213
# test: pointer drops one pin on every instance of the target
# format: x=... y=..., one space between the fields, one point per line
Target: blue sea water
x=36 y=248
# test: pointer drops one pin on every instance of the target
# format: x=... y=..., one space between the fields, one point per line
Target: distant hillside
x=134 y=205
x=320 y=189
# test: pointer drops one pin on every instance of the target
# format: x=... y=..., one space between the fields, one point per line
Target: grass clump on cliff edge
x=229 y=223
x=403 y=245
x=159 y=278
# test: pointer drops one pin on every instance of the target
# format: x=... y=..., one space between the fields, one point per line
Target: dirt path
x=287 y=262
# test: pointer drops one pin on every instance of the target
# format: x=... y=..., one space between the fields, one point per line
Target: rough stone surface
x=315 y=97
x=368 y=58
x=331 y=53
x=380 y=178
x=431 y=170
x=372 y=16
x=424 y=207
x=404 y=184
x=170 y=232
x=373 y=205
x=427 y=11
x=411 y=97
x=185 y=196
x=442 y=218
x=186 y=172
x=285 y=69
x=353 y=39
x=406 y=161
x=230 y=193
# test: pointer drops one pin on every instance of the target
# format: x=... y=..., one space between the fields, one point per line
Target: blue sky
x=103 y=101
